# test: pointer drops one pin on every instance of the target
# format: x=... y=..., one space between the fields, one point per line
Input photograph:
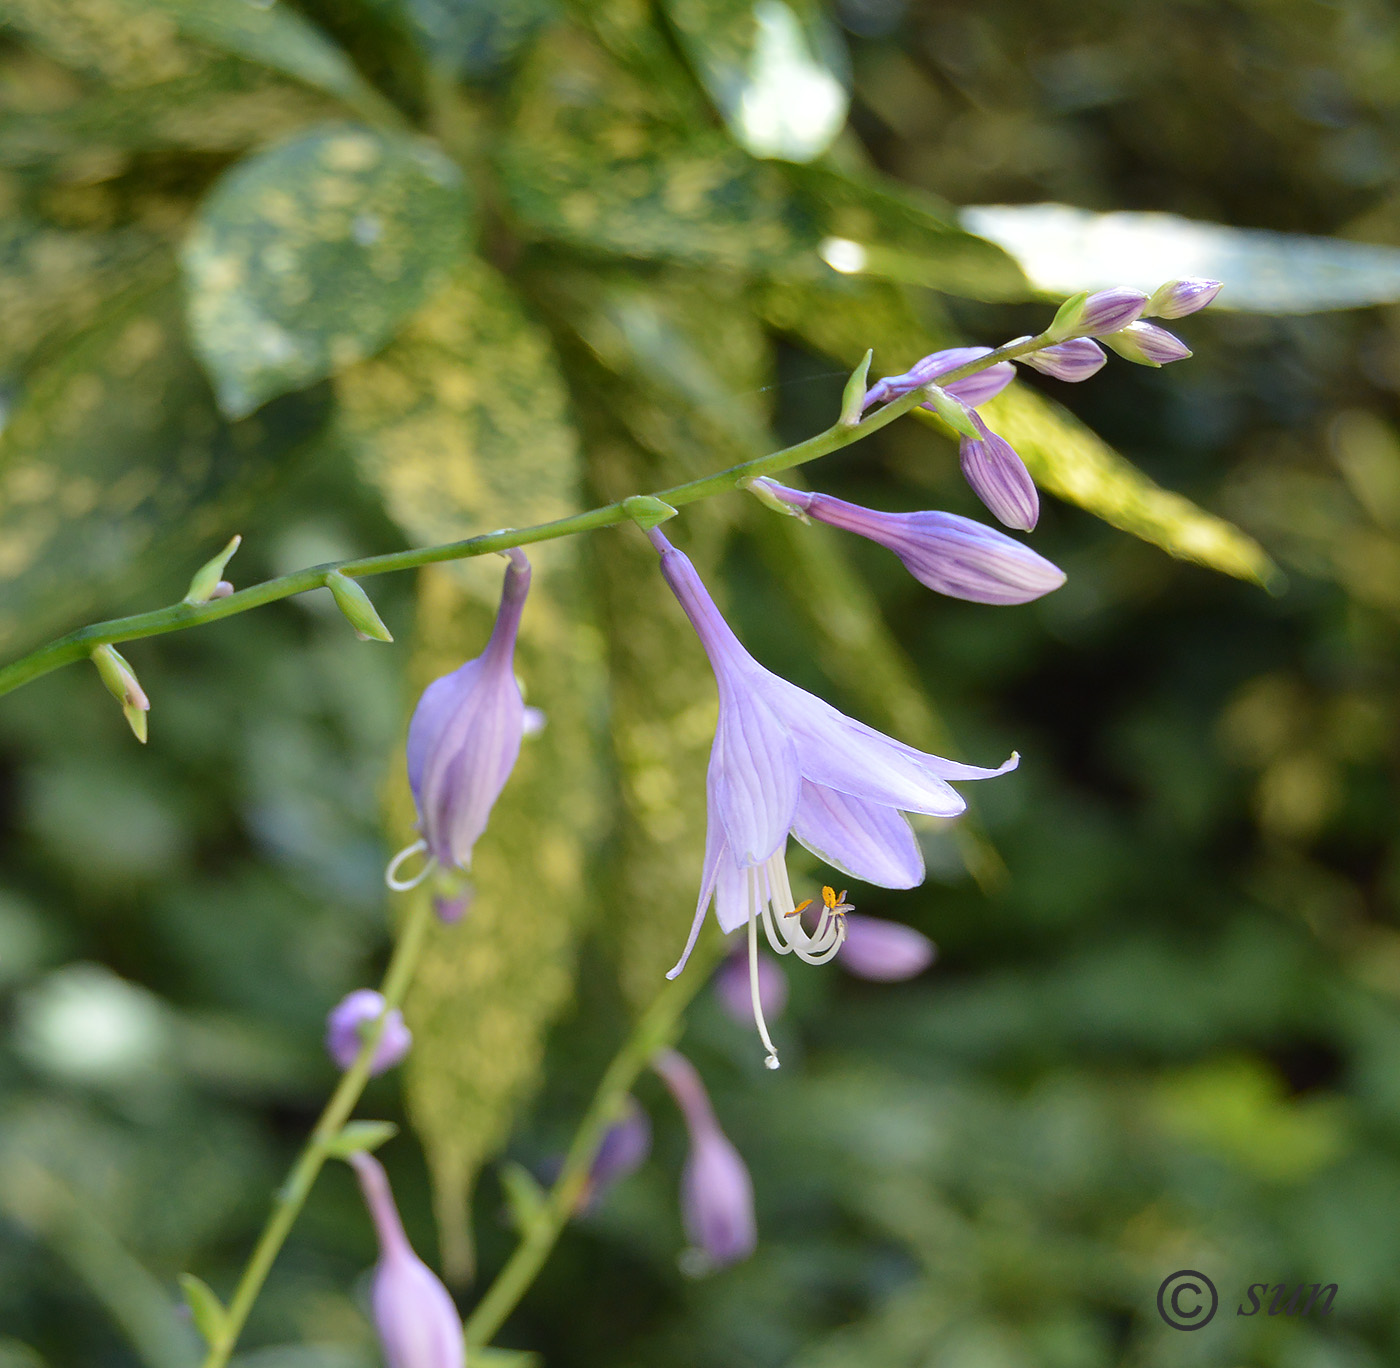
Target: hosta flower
x=884 y=951
x=1075 y=360
x=414 y=1316
x=716 y=1191
x=974 y=389
x=464 y=738
x=950 y=554
x=1091 y=315
x=624 y=1149
x=1177 y=298
x=1148 y=345
x=784 y=762
x=352 y=1017
x=999 y=477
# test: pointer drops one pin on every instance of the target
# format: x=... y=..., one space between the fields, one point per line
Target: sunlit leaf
x=123 y=41
x=776 y=72
x=114 y=453
x=1063 y=249
x=306 y=257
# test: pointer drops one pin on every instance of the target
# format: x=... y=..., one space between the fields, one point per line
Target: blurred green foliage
x=496 y=262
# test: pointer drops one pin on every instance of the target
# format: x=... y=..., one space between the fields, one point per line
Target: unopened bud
x=358 y=610
x=208 y=579
x=1089 y=315
x=1177 y=298
x=999 y=477
x=883 y=951
x=350 y=1022
x=122 y=684
x=1147 y=344
x=1075 y=360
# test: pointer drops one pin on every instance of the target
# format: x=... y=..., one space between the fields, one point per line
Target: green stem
x=657 y=1027
x=292 y=1195
x=76 y=645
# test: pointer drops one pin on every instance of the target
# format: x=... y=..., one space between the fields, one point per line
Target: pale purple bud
x=735 y=995
x=950 y=554
x=883 y=951
x=221 y=590
x=417 y=1323
x=450 y=908
x=973 y=389
x=716 y=1191
x=1148 y=345
x=999 y=478
x=1104 y=311
x=465 y=735
x=350 y=1021
x=1177 y=298
x=624 y=1149
x=1077 y=359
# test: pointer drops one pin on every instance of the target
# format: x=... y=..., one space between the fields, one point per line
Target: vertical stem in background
x=292 y=1195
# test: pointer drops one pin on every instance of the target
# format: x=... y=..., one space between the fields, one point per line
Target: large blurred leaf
x=1063 y=250
x=461 y=425
x=123 y=41
x=116 y=451
x=775 y=72
x=471 y=38
x=461 y=422
x=306 y=257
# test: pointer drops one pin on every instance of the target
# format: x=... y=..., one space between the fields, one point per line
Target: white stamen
x=407 y=853
x=771 y=1060
x=783 y=923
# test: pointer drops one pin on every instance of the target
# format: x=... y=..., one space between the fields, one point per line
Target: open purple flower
x=948 y=553
x=784 y=762
x=352 y=1017
x=464 y=738
x=974 y=389
x=716 y=1191
x=414 y=1316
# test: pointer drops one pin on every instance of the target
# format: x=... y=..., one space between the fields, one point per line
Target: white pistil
x=783 y=924
x=408 y=852
x=771 y=1060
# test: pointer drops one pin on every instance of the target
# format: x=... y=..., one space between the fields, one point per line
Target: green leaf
x=470 y=38
x=776 y=71
x=306 y=257
x=524 y=1196
x=208 y=1312
x=461 y=424
x=1071 y=461
x=115 y=458
x=1063 y=249
x=124 y=42
x=361 y=1137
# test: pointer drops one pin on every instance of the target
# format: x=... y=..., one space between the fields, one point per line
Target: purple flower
x=950 y=554
x=1077 y=359
x=349 y=1023
x=974 y=389
x=732 y=988
x=716 y=1192
x=1147 y=344
x=624 y=1149
x=1106 y=311
x=417 y=1323
x=999 y=478
x=784 y=762
x=883 y=951
x=1178 y=298
x=464 y=738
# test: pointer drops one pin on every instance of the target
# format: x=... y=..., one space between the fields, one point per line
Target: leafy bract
x=306 y=257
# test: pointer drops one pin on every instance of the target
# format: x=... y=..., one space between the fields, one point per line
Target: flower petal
x=866 y=840
x=756 y=785
x=716 y=850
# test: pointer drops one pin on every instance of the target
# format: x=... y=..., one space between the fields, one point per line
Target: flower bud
x=464 y=737
x=350 y=1021
x=999 y=478
x=352 y=600
x=1077 y=359
x=883 y=951
x=1089 y=315
x=1147 y=344
x=733 y=992
x=1177 y=298
x=949 y=554
x=417 y=1323
x=972 y=389
x=624 y=1149
x=716 y=1191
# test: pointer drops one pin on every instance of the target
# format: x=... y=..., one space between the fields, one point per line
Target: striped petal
x=866 y=840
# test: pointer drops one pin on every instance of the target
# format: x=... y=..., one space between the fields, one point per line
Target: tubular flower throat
x=784 y=762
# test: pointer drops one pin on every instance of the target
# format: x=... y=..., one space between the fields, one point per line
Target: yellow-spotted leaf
x=306 y=257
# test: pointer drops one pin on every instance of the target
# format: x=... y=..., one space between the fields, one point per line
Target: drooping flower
x=973 y=389
x=414 y=1316
x=464 y=738
x=1147 y=344
x=624 y=1149
x=1075 y=360
x=346 y=1026
x=999 y=477
x=950 y=554
x=1177 y=298
x=884 y=951
x=716 y=1191
x=784 y=762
